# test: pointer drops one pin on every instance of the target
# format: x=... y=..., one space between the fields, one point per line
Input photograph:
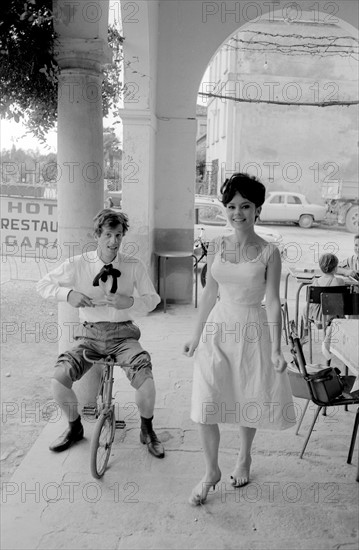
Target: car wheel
x=306 y=221
x=352 y=219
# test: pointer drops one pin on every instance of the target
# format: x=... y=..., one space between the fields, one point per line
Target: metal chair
x=307 y=389
x=314 y=297
x=338 y=304
x=164 y=255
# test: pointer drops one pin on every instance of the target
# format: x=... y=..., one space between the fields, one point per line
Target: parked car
x=282 y=206
x=211 y=221
x=114 y=197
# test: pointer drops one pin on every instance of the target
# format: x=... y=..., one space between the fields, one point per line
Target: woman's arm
x=208 y=300
x=273 y=307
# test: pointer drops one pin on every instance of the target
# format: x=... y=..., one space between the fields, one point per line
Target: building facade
x=279 y=129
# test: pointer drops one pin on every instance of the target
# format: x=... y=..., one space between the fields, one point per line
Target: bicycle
x=200 y=243
x=104 y=432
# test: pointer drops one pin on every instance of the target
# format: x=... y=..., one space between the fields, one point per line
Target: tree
x=29 y=70
x=27 y=167
x=112 y=159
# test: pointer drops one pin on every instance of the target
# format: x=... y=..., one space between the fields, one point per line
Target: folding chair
x=284 y=310
x=303 y=386
x=314 y=297
x=338 y=304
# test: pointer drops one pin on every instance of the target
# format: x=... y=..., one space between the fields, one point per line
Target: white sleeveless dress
x=234 y=380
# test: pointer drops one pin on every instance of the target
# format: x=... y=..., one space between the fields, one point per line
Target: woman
x=238 y=365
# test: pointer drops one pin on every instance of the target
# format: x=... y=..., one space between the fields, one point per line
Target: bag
x=326 y=384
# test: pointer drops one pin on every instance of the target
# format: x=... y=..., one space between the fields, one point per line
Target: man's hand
x=77 y=299
x=354 y=274
x=118 y=301
x=347 y=272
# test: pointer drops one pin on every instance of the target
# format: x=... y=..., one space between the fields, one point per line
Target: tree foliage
x=29 y=70
x=19 y=166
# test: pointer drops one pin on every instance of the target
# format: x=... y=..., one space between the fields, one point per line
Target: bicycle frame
x=105 y=389
x=199 y=242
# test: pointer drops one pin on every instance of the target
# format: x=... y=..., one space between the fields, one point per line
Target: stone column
x=140 y=29
x=139 y=128
x=80 y=161
x=174 y=201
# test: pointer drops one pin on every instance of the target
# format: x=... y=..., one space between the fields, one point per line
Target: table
x=344 y=342
x=164 y=255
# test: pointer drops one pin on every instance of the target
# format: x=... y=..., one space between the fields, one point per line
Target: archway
x=174 y=42
x=263 y=90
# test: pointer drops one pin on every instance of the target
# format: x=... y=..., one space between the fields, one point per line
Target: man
x=101 y=284
x=350 y=266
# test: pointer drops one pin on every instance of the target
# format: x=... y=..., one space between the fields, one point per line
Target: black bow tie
x=104 y=273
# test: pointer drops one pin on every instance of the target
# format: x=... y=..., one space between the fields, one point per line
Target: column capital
x=135 y=117
x=83 y=53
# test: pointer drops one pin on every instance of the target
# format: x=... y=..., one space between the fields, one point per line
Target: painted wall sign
x=27 y=225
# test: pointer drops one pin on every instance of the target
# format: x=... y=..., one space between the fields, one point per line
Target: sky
x=13 y=133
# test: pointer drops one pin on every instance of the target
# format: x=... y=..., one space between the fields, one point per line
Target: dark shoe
x=67 y=439
x=154 y=445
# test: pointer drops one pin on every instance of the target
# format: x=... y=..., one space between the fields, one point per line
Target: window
x=292 y=199
x=225 y=106
x=277 y=199
x=211 y=215
x=218 y=113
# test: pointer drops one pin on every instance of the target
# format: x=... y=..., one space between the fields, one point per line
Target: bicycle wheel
x=101 y=443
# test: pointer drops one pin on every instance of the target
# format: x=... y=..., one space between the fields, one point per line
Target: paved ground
x=52 y=502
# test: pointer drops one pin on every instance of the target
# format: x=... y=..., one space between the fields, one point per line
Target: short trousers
x=118 y=339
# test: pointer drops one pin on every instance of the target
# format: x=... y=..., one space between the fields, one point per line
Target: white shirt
x=350 y=263
x=78 y=273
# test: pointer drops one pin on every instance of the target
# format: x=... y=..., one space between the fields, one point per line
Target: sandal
x=200 y=492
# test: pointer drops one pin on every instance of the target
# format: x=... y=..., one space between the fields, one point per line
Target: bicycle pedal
x=90 y=411
x=120 y=424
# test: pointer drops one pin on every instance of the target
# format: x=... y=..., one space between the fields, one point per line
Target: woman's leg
x=209 y=436
x=240 y=475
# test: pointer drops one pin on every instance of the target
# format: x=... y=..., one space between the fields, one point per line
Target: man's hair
x=110 y=218
x=328 y=262
x=248 y=186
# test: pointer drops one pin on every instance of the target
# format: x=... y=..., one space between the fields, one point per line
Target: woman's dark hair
x=110 y=218
x=328 y=262
x=248 y=186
